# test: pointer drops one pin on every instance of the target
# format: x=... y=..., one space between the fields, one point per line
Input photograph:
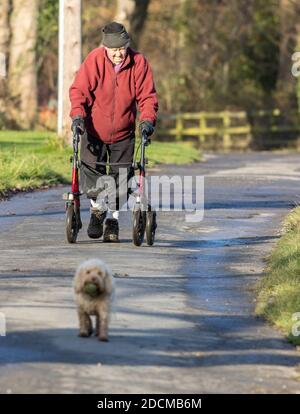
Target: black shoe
x=111 y=231
x=95 y=229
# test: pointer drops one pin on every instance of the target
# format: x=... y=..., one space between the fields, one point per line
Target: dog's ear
x=79 y=280
x=109 y=283
x=78 y=288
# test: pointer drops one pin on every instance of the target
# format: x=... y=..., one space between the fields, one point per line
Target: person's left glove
x=147 y=128
x=78 y=125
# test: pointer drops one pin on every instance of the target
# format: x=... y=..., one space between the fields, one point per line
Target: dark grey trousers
x=93 y=176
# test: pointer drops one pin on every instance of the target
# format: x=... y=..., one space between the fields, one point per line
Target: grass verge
x=278 y=298
x=34 y=159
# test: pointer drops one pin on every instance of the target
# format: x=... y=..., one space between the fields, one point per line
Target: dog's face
x=96 y=276
x=95 y=272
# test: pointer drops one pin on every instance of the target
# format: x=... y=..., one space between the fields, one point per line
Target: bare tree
x=298 y=49
x=124 y=11
x=133 y=14
x=4 y=39
x=70 y=59
x=288 y=15
x=22 y=76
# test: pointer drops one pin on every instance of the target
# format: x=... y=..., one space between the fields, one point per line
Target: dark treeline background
x=206 y=54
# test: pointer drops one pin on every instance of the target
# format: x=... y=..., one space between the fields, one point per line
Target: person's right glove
x=78 y=125
x=147 y=128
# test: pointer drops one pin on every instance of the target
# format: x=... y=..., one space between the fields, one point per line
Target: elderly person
x=112 y=82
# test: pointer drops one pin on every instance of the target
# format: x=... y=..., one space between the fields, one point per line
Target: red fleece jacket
x=107 y=100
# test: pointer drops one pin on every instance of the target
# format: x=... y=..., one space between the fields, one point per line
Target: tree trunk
x=70 y=60
x=4 y=39
x=298 y=50
x=22 y=76
x=133 y=14
x=125 y=8
x=288 y=20
x=287 y=43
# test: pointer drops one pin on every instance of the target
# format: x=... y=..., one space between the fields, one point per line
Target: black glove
x=147 y=128
x=78 y=125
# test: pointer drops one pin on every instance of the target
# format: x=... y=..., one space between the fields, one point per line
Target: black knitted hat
x=114 y=35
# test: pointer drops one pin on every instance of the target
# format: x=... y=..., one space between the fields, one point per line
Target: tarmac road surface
x=183 y=315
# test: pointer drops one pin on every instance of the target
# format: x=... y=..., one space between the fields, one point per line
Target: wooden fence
x=228 y=130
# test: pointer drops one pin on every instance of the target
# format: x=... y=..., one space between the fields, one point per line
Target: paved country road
x=183 y=319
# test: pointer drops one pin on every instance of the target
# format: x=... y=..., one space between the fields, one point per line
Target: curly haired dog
x=95 y=272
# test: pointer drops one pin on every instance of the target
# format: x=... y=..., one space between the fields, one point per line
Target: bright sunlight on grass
x=279 y=290
x=32 y=159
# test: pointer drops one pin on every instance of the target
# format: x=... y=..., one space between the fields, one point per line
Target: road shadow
x=214 y=345
x=248 y=204
x=214 y=243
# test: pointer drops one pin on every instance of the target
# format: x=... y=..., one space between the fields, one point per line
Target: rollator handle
x=145 y=139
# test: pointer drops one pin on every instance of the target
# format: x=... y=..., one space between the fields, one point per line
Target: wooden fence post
x=179 y=127
x=226 y=134
x=202 y=126
x=236 y=130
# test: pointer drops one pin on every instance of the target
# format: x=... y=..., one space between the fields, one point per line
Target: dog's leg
x=97 y=325
x=102 y=322
x=85 y=324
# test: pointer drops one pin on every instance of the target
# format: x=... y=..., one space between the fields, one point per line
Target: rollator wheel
x=72 y=224
x=150 y=227
x=139 y=224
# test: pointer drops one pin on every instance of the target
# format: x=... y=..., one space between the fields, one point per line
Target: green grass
x=172 y=153
x=34 y=159
x=31 y=159
x=279 y=291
